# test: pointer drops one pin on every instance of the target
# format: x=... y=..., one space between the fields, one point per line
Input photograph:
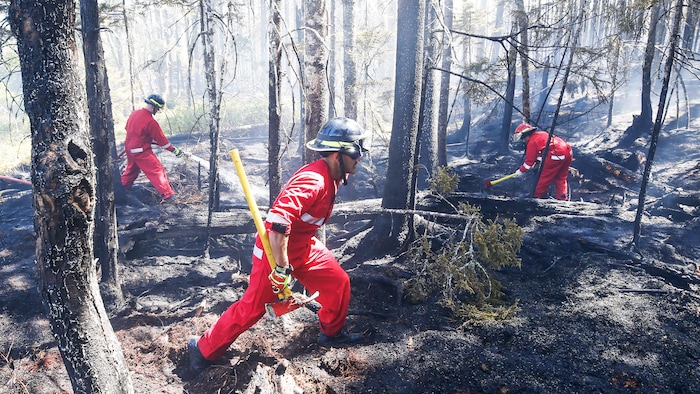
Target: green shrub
x=457 y=265
x=444 y=182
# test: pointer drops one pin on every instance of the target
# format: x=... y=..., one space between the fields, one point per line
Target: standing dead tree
x=214 y=100
x=274 y=108
x=315 y=70
x=660 y=113
x=104 y=147
x=391 y=231
x=63 y=178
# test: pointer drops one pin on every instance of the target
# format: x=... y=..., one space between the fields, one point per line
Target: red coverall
x=141 y=130
x=556 y=167
x=304 y=204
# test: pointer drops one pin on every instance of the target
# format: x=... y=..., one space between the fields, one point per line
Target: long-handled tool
x=287 y=302
x=189 y=155
x=202 y=162
x=490 y=183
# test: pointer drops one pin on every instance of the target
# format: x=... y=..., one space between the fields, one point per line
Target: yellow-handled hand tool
x=490 y=183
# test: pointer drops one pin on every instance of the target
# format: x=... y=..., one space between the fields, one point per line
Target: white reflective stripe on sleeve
x=527 y=167
x=306 y=218
x=257 y=252
x=136 y=150
x=275 y=218
x=562 y=157
x=166 y=146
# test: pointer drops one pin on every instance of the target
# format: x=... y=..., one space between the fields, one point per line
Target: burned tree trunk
x=104 y=147
x=315 y=71
x=659 y=119
x=390 y=232
x=349 y=59
x=274 y=105
x=63 y=177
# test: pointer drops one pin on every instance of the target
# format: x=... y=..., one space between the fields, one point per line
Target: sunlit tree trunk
x=445 y=84
x=130 y=53
x=63 y=178
x=690 y=29
x=523 y=51
x=104 y=147
x=213 y=99
x=315 y=70
x=497 y=28
x=332 y=69
x=614 y=67
x=299 y=27
x=428 y=136
x=349 y=62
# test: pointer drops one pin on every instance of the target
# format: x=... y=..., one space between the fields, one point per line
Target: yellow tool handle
x=505 y=178
x=253 y=206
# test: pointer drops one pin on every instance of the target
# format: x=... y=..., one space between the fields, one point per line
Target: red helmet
x=522 y=131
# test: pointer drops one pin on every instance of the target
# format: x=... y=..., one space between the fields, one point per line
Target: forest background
x=410 y=71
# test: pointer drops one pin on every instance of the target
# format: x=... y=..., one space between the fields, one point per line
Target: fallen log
x=186 y=224
x=177 y=223
x=522 y=207
x=599 y=170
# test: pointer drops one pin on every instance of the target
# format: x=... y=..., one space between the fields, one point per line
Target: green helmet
x=339 y=135
x=155 y=100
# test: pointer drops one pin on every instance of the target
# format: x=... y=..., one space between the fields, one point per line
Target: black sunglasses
x=356 y=151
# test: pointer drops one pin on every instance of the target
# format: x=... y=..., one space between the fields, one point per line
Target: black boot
x=342 y=339
x=197 y=362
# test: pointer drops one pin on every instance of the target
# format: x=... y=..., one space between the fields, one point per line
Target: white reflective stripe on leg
x=136 y=150
x=562 y=157
x=257 y=252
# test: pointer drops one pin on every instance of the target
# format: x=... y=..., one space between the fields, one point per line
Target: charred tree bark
x=349 y=59
x=105 y=150
x=315 y=71
x=644 y=119
x=274 y=105
x=63 y=177
x=389 y=230
x=642 y=124
x=659 y=119
x=214 y=98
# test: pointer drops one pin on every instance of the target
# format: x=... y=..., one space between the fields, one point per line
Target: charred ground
x=594 y=314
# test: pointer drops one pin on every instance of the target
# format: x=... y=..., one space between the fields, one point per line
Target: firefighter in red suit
x=304 y=204
x=141 y=131
x=556 y=164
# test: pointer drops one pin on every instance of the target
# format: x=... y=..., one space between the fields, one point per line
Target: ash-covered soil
x=594 y=314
